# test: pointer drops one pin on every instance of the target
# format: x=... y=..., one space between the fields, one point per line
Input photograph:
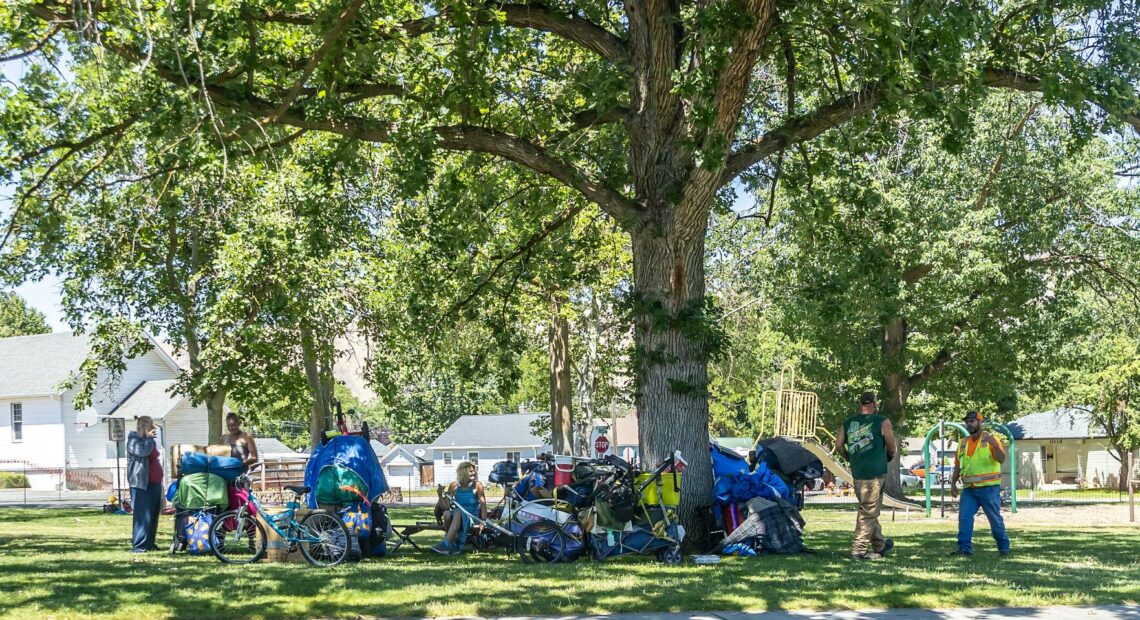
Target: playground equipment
x=962 y=429
x=795 y=416
x=796 y=412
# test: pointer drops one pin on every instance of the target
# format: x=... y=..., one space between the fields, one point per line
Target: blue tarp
x=741 y=487
x=726 y=462
x=353 y=453
x=196 y=463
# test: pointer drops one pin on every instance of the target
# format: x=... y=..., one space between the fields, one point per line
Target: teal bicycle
x=239 y=537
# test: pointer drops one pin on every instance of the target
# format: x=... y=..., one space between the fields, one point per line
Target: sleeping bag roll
x=176 y=452
x=197 y=491
x=225 y=466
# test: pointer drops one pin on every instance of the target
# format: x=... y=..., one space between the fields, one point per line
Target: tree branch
x=455 y=138
x=916 y=273
x=342 y=21
x=591 y=118
x=525 y=248
x=589 y=35
x=800 y=129
x=534 y=16
x=1004 y=78
x=995 y=170
x=72 y=149
x=731 y=89
x=806 y=127
x=37 y=46
x=930 y=370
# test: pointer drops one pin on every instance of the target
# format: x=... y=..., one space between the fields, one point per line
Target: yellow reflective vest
x=977 y=467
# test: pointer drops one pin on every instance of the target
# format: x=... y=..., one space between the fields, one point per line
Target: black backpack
x=375 y=543
x=622 y=502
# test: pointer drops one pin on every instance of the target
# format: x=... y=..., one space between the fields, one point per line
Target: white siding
x=1090 y=457
x=1101 y=469
x=186 y=424
x=1030 y=472
x=405 y=476
x=88 y=447
x=42 y=441
x=445 y=474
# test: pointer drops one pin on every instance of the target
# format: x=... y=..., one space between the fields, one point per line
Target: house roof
x=153 y=398
x=428 y=454
x=272 y=445
x=491 y=431
x=37 y=365
x=1063 y=423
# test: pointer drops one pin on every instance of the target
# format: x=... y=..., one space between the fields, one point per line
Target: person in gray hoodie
x=144 y=474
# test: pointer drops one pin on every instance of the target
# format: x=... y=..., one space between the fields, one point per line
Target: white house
x=408 y=466
x=1063 y=447
x=40 y=429
x=485 y=440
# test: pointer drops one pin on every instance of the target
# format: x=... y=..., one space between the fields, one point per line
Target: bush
x=9 y=480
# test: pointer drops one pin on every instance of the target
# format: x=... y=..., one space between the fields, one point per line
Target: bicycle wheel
x=237 y=538
x=542 y=542
x=324 y=539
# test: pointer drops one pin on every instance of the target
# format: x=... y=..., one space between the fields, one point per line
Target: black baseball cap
x=867 y=398
x=971 y=415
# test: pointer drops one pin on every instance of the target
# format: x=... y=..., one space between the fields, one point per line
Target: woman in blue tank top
x=467 y=492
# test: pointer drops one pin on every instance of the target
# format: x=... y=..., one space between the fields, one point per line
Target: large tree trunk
x=215 y=399
x=318 y=387
x=672 y=364
x=896 y=390
x=588 y=383
x=216 y=413
x=561 y=394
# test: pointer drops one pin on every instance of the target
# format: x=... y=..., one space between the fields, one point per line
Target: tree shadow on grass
x=75 y=575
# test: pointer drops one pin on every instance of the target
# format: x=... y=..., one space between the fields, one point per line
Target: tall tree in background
x=219 y=260
x=1105 y=384
x=648 y=109
x=17 y=318
x=950 y=276
x=509 y=258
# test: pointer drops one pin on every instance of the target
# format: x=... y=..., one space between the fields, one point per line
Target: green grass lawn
x=72 y=564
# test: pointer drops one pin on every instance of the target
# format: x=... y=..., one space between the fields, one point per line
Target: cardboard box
x=176 y=452
x=219 y=450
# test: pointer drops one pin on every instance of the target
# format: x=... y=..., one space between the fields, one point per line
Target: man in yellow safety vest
x=978 y=465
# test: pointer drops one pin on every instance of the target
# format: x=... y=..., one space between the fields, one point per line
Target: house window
x=447 y=458
x=474 y=458
x=514 y=457
x=17 y=422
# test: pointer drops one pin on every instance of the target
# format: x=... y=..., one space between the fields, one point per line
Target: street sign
x=601 y=444
x=116 y=429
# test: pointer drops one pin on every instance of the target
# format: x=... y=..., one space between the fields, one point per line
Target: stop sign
x=601 y=444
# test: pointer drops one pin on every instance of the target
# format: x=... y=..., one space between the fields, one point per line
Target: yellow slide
x=844 y=474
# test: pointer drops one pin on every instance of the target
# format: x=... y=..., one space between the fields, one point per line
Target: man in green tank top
x=867 y=440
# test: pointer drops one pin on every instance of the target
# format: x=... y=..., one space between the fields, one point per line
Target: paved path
x=1103 y=612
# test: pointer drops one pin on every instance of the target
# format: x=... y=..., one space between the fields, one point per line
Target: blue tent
x=351 y=452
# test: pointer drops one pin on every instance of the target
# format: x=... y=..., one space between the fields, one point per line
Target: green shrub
x=9 y=480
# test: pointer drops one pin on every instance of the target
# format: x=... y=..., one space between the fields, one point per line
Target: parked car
x=940 y=473
x=909 y=480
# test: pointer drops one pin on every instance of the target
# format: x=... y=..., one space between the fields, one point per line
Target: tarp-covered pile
x=758 y=507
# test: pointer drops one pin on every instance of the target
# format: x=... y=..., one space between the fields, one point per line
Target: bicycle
x=239 y=537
